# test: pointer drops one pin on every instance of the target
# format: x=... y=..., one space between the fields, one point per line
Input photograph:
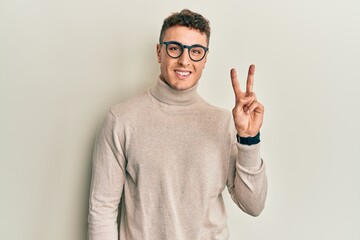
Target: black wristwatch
x=248 y=140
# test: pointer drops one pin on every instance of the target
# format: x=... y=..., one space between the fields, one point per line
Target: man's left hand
x=248 y=113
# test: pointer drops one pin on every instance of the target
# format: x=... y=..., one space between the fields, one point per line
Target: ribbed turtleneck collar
x=165 y=94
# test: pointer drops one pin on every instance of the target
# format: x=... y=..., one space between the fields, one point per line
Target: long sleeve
x=107 y=182
x=247 y=180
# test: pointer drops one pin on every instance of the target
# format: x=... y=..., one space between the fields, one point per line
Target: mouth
x=182 y=74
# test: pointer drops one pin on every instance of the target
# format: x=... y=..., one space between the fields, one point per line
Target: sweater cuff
x=249 y=156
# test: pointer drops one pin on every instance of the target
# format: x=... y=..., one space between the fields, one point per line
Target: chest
x=174 y=147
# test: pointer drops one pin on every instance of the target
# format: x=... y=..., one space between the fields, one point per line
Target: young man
x=166 y=156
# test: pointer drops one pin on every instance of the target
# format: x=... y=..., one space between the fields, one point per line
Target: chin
x=179 y=84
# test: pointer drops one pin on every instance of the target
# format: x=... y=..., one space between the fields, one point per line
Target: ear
x=158 y=50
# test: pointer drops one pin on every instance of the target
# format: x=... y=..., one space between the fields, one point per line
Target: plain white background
x=63 y=64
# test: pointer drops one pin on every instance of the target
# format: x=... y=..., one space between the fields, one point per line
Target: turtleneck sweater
x=161 y=162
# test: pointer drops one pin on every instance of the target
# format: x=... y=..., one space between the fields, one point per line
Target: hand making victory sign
x=248 y=113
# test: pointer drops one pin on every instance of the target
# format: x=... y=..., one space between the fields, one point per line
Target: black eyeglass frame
x=183 y=47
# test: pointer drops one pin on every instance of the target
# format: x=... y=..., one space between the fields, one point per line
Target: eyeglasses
x=175 y=50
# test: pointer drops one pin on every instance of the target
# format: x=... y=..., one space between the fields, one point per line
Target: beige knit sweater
x=164 y=158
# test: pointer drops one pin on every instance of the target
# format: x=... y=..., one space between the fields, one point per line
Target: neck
x=166 y=94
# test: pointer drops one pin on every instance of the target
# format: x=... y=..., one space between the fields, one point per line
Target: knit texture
x=164 y=158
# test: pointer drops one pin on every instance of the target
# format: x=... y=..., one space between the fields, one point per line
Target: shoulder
x=125 y=112
x=215 y=110
x=130 y=106
x=220 y=117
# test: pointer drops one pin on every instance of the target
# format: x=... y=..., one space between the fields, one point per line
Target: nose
x=184 y=59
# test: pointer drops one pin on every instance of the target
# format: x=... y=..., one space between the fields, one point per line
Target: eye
x=197 y=51
x=174 y=48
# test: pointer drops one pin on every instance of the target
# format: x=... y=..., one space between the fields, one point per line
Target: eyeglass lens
x=175 y=50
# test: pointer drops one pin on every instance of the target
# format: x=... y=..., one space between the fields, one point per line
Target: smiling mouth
x=183 y=74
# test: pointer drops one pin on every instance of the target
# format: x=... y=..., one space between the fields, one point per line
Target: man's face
x=181 y=73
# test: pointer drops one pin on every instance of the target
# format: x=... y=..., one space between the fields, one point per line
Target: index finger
x=250 y=79
x=235 y=83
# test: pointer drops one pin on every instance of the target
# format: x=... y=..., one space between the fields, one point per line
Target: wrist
x=248 y=140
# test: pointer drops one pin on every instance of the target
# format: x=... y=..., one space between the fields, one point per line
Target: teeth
x=183 y=73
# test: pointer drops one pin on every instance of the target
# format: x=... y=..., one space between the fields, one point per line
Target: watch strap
x=248 y=140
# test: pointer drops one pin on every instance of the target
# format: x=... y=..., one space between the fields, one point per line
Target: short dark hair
x=186 y=18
